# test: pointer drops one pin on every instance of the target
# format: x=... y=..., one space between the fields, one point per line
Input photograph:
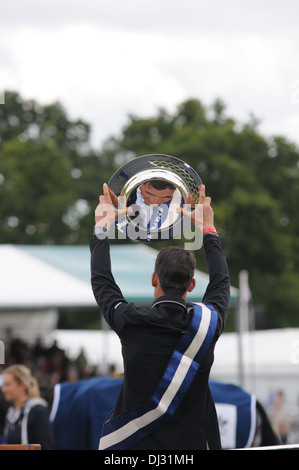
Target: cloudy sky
x=104 y=59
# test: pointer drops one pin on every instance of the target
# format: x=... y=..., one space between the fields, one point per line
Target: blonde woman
x=27 y=421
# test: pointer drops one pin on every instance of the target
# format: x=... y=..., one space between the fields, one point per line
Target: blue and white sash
x=124 y=431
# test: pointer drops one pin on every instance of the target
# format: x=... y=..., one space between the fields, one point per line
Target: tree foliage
x=46 y=171
x=50 y=179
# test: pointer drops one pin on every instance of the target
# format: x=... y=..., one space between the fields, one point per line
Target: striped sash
x=124 y=431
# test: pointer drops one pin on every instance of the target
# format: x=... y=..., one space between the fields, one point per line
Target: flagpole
x=242 y=322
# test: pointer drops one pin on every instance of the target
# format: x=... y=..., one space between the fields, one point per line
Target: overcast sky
x=104 y=59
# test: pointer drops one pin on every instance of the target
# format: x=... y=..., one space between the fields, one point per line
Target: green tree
x=47 y=172
x=35 y=193
x=48 y=124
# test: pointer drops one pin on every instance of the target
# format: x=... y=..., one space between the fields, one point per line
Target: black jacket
x=39 y=430
x=148 y=337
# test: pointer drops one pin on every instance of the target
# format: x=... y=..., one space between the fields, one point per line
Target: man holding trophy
x=168 y=349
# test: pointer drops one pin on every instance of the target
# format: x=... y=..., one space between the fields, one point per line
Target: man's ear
x=192 y=285
x=154 y=280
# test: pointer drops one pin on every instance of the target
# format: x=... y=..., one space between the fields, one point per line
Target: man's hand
x=208 y=213
x=106 y=213
x=203 y=215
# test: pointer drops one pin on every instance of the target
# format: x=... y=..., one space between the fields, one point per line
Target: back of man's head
x=175 y=270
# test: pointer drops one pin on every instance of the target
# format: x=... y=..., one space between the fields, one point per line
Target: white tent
x=271 y=358
x=28 y=282
x=59 y=276
x=38 y=280
x=270 y=362
x=31 y=292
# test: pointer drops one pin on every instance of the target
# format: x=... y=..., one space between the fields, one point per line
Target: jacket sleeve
x=218 y=291
x=106 y=292
x=39 y=428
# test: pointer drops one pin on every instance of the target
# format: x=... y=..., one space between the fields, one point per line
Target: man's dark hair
x=160 y=185
x=175 y=269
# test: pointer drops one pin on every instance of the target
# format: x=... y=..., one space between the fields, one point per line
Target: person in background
x=27 y=420
x=280 y=417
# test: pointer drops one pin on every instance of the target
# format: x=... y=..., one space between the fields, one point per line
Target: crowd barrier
x=279 y=447
x=20 y=447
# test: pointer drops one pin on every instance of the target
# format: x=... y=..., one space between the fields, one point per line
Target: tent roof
x=56 y=276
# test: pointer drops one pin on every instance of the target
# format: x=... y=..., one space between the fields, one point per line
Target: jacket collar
x=170 y=299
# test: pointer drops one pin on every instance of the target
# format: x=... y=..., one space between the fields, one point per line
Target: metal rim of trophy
x=156 y=167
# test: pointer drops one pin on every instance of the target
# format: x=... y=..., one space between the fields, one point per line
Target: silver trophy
x=155 y=186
